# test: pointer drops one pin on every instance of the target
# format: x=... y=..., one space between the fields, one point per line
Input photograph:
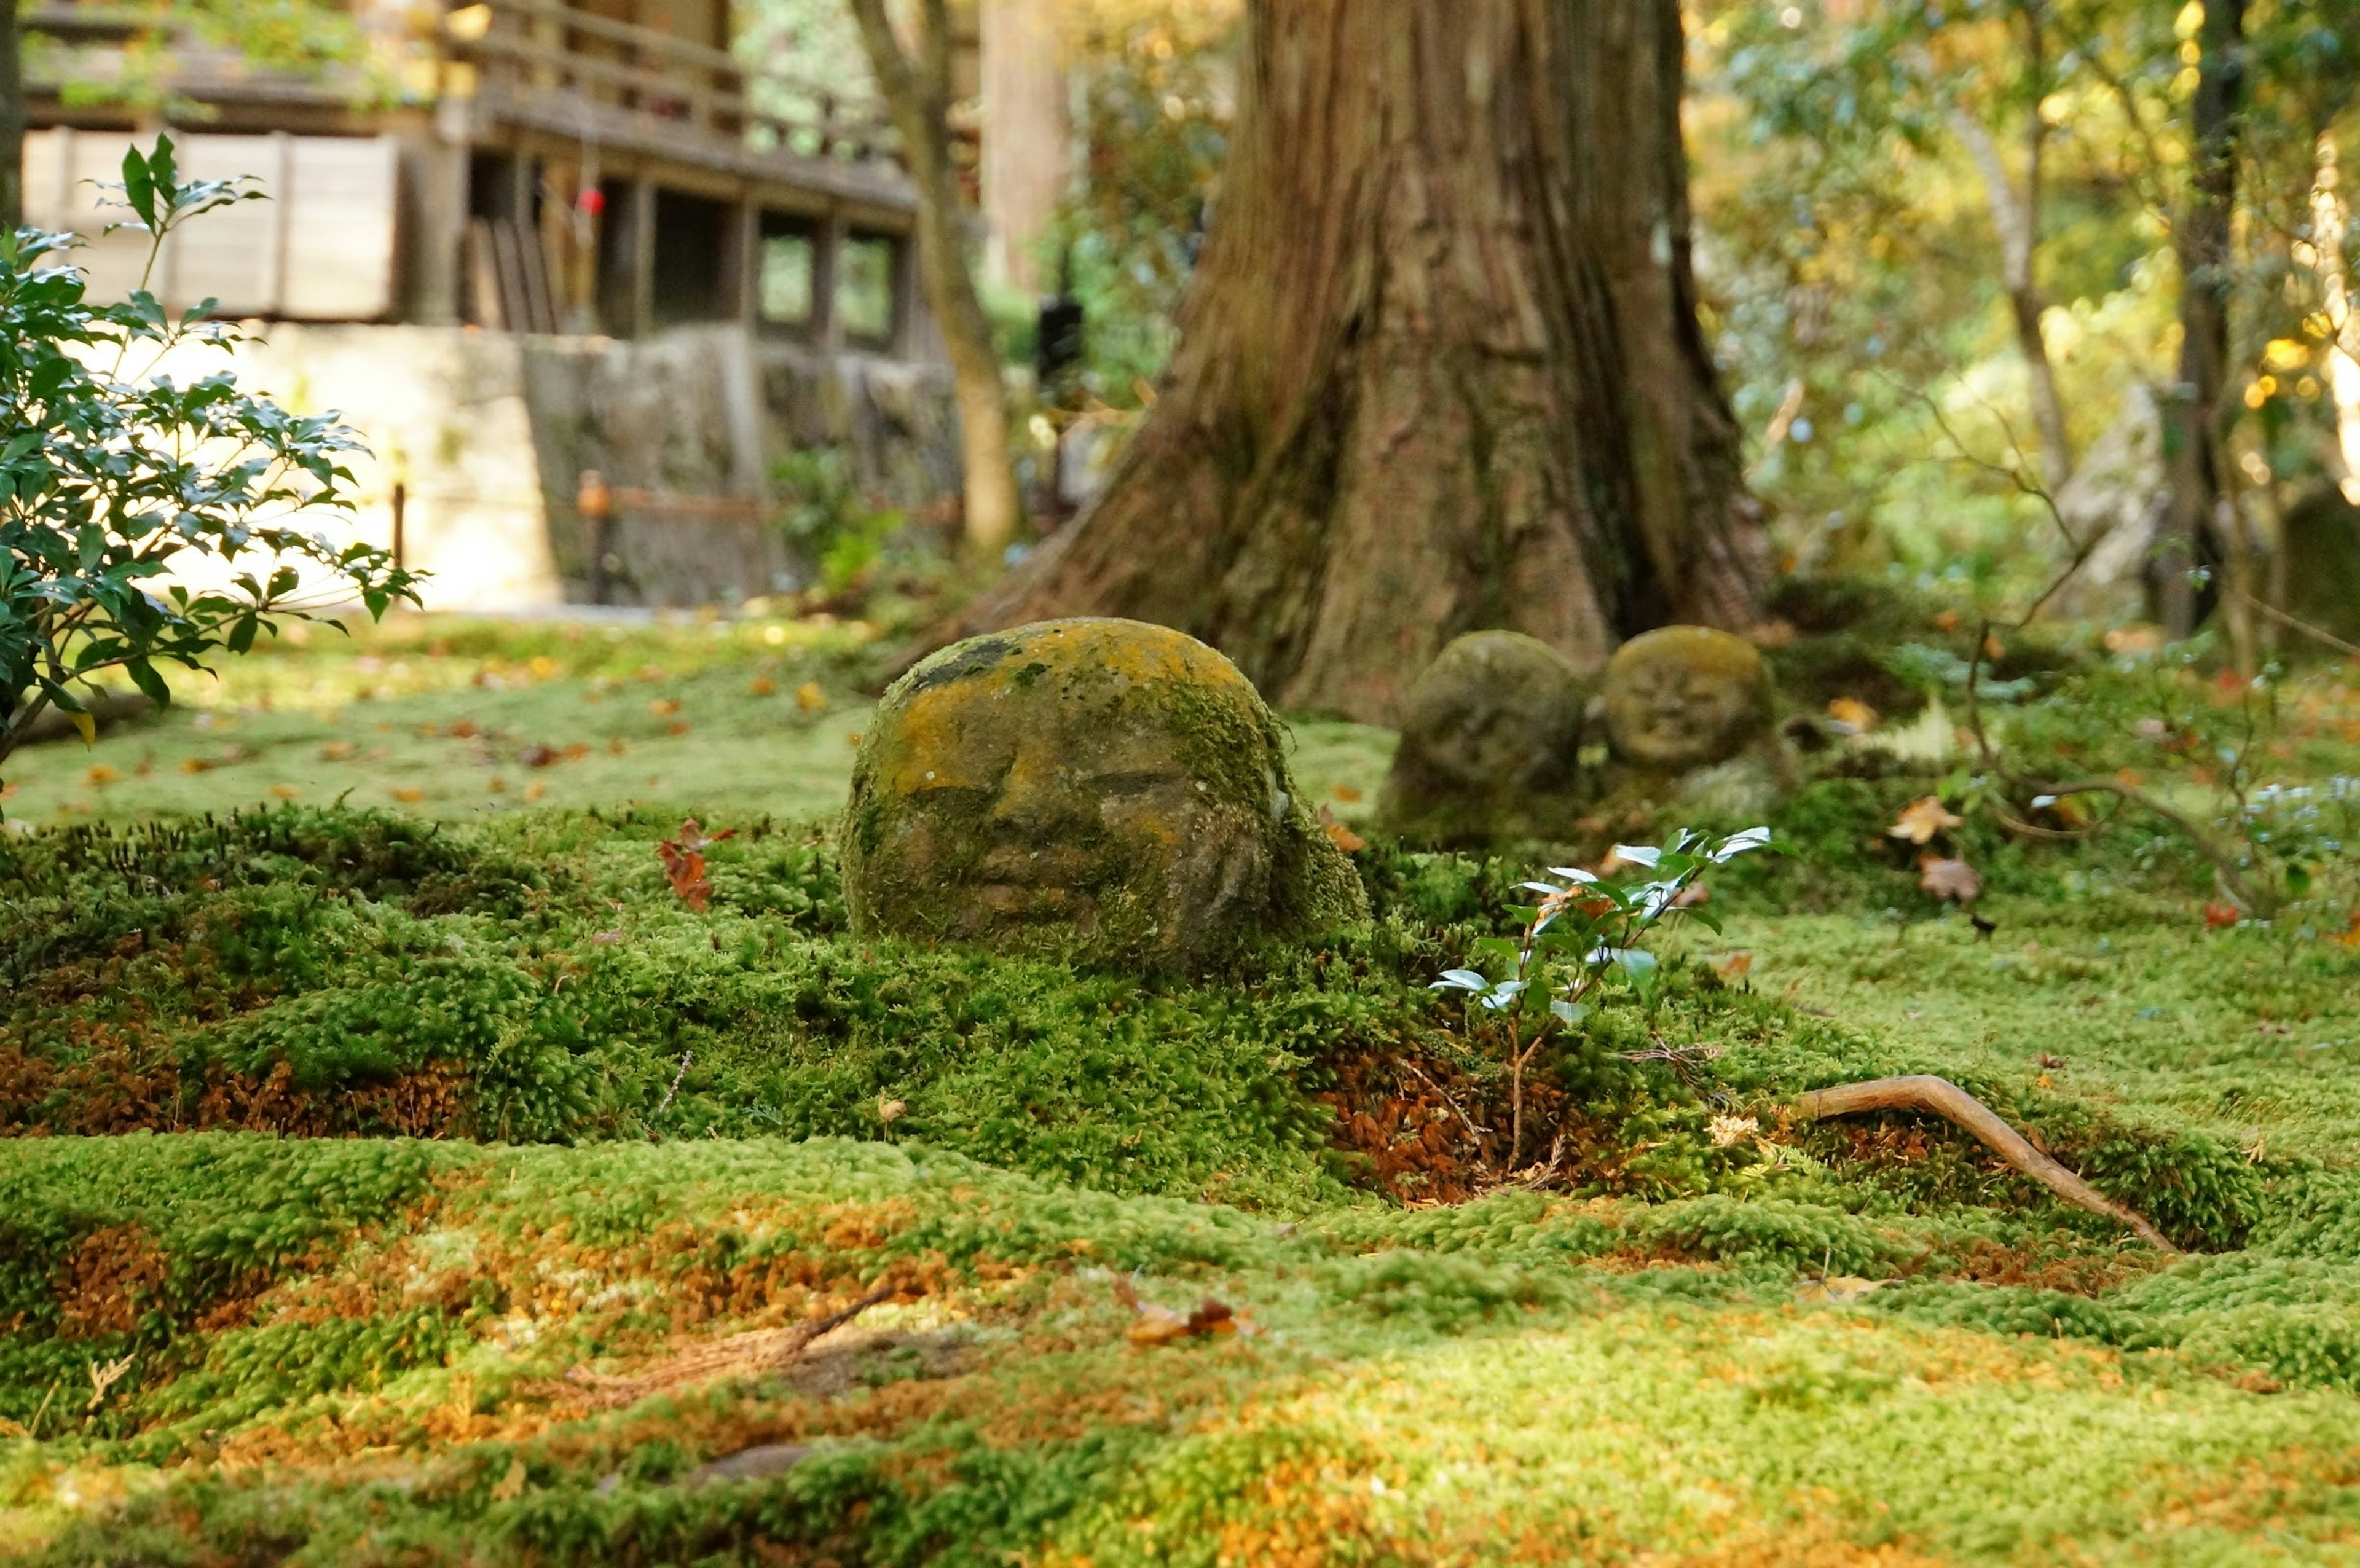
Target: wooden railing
x=545 y=46
x=531 y=49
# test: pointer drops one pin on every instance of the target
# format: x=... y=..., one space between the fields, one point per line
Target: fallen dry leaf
x=1838 y=1289
x=1854 y=712
x=465 y=729
x=1735 y=964
x=1953 y=881
x=810 y=699
x=1948 y=621
x=2350 y=936
x=1347 y=794
x=1155 y=1326
x=285 y=793
x=683 y=862
x=2218 y=914
x=410 y=795
x=762 y=686
x=1343 y=837
x=664 y=707
x=1922 y=820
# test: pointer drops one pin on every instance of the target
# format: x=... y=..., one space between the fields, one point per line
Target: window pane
x=787 y=278
x=864 y=287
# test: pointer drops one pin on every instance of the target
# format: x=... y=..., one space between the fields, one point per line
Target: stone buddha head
x=1685 y=697
x=1102 y=787
x=1489 y=745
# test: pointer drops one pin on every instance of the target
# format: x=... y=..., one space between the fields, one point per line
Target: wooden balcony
x=557 y=168
x=570 y=72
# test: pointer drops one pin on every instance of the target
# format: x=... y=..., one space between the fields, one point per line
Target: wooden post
x=827 y=246
x=902 y=335
x=273 y=285
x=643 y=256
x=594 y=503
x=741 y=262
x=438 y=165
x=400 y=524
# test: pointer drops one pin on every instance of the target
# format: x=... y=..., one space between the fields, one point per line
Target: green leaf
x=140 y=182
x=144 y=676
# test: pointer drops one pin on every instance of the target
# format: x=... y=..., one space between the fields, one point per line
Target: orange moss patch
x=114 y=1276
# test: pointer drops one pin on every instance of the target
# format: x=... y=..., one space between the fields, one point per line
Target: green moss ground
x=357 y=1348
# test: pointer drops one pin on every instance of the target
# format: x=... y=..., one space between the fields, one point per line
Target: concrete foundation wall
x=489 y=432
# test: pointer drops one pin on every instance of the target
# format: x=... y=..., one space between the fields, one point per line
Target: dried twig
x=102 y=1378
x=2225 y=864
x=739 y=1355
x=2297 y=624
x=1939 y=1096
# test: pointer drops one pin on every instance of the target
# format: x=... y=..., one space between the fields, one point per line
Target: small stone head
x=1491 y=744
x=1685 y=697
x=1099 y=787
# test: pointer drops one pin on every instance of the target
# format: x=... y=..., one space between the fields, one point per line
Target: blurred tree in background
x=1923 y=217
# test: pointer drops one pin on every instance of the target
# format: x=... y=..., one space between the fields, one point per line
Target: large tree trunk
x=2193 y=427
x=917 y=92
x=12 y=117
x=1440 y=369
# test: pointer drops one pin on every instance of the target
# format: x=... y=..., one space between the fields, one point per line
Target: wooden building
x=542 y=166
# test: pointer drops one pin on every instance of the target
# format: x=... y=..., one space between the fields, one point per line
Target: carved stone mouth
x=1026 y=900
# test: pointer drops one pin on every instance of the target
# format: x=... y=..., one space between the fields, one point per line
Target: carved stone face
x=1101 y=785
x=1685 y=697
x=1489 y=746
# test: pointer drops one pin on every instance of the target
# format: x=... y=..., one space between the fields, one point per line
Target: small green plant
x=1586 y=933
x=829 y=522
x=116 y=480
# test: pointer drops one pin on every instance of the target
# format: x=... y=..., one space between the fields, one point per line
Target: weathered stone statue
x=1103 y=788
x=1688 y=718
x=1490 y=747
x=1681 y=698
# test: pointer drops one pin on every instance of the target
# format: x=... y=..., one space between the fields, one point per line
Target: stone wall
x=489 y=432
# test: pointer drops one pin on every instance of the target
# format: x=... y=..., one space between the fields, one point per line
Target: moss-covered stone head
x=1101 y=787
x=1685 y=697
x=1490 y=747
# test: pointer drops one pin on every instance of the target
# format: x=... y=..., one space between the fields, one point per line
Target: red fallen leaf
x=1735 y=964
x=540 y=756
x=683 y=862
x=1953 y=881
x=2218 y=914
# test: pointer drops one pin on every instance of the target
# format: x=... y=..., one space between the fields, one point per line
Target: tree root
x=1939 y=1096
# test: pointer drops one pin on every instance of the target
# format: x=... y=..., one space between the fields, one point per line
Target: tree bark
x=12 y=117
x=2202 y=243
x=917 y=91
x=1440 y=368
